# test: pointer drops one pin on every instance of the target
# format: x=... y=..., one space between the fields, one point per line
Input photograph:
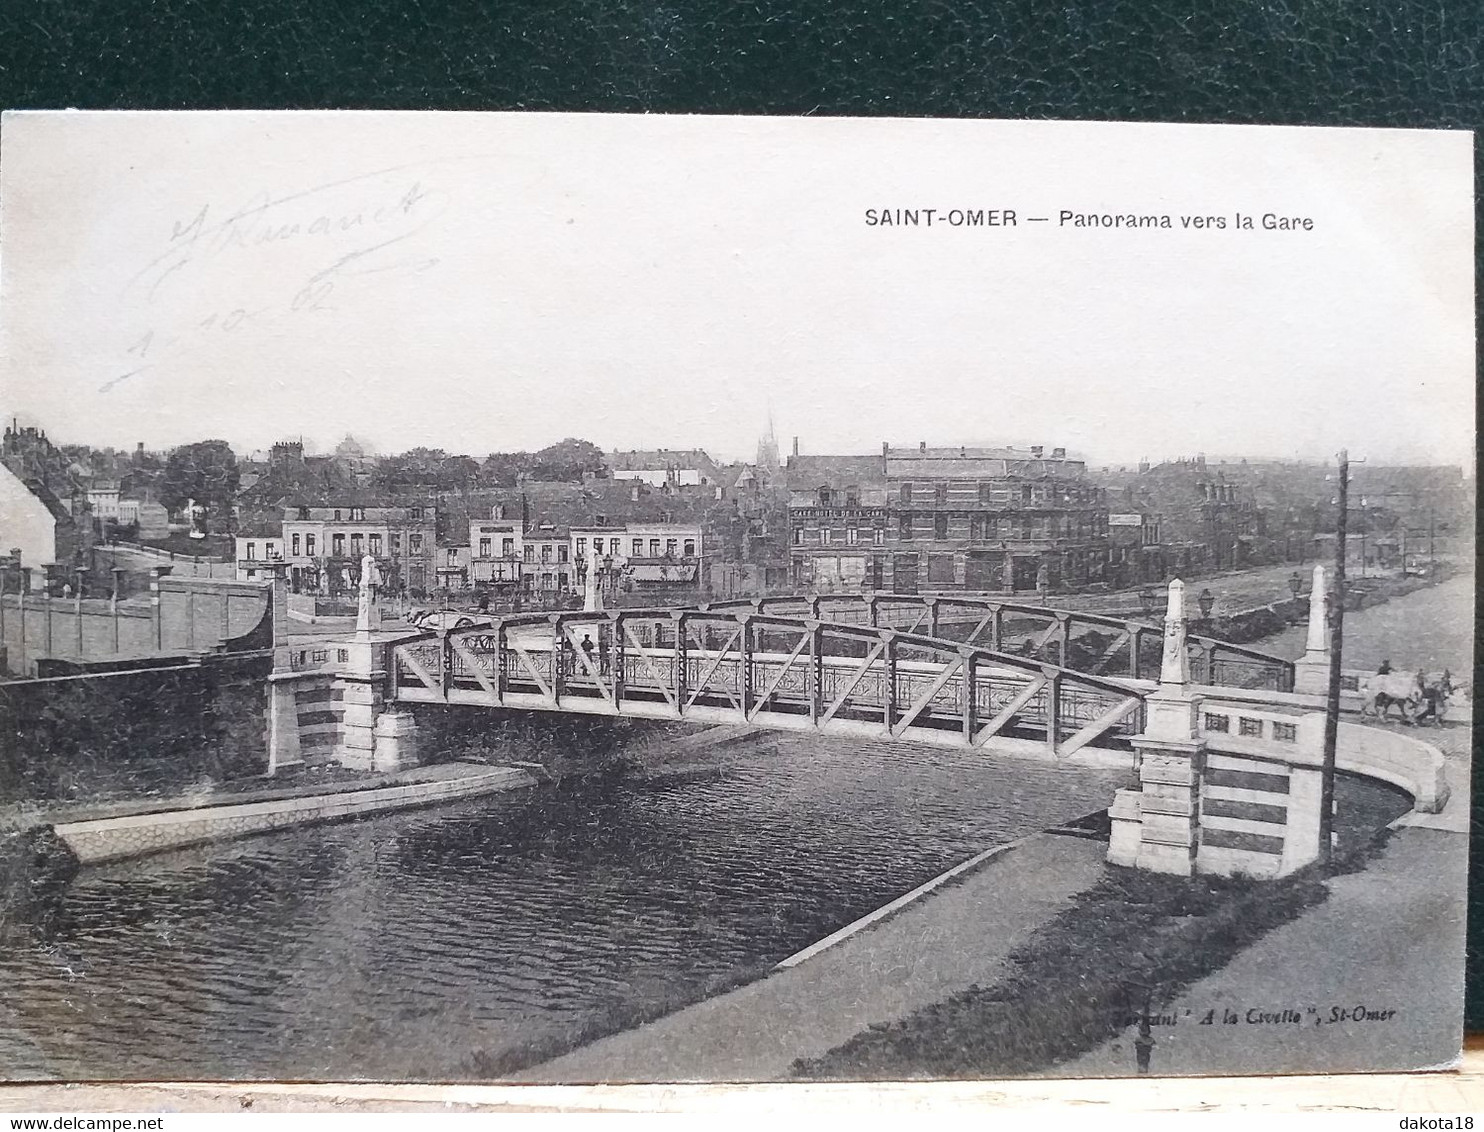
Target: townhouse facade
x=924 y=519
x=320 y=548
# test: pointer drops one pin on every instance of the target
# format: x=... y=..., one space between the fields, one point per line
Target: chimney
x=634 y=491
x=922 y=446
x=1036 y=451
x=1058 y=453
x=796 y=446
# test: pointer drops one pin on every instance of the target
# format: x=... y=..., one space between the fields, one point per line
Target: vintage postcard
x=592 y=598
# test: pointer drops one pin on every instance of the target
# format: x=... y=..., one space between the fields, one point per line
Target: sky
x=495 y=282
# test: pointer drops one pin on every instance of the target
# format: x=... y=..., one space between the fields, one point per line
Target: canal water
x=464 y=942
x=467 y=942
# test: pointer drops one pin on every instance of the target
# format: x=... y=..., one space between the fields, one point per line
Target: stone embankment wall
x=108 y=839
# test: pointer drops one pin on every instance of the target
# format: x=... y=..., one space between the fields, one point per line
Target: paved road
x=922 y=955
x=1388 y=940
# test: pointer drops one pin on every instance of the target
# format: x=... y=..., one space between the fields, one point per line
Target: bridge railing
x=1083 y=642
x=769 y=669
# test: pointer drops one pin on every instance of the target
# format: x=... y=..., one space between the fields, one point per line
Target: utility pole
x=1332 y=700
x=1432 y=551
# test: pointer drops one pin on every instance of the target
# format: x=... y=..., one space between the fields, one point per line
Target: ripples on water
x=448 y=943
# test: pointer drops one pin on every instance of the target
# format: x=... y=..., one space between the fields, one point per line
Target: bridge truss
x=745 y=666
x=1084 y=642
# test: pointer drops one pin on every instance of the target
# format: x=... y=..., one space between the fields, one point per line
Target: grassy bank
x=1075 y=983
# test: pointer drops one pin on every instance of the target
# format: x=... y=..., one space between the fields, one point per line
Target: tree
x=205 y=471
x=567 y=460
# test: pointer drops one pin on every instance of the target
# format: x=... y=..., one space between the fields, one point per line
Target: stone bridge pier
x=327 y=701
x=1213 y=802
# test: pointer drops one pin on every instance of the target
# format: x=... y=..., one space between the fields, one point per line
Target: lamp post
x=1207 y=601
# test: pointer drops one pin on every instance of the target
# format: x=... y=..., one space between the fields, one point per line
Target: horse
x=1380 y=692
x=1436 y=691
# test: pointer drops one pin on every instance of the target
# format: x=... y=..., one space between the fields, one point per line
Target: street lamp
x=1206 y=600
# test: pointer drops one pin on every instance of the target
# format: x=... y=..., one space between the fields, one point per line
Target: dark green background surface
x=1329 y=62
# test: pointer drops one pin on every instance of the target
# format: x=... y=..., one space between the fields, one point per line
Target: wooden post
x=1135 y=637
x=933 y=617
x=997 y=629
x=557 y=655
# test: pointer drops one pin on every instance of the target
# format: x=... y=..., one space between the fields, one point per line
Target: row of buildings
x=498 y=546
x=904 y=519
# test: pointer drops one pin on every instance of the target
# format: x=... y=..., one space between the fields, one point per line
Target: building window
x=337 y=542
x=654 y=548
x=638 y=548
x=671 y=545
x=582 y=548
x=309 y=545
x=940 y=568
x=546 y=552
x=417 y=514
x=357 y=514
x=878 y=536
x=1217 y=722
x=375 y=543
x=1285 y=732
x=597 y=546
x=824 y=497
x=296 y=546
x=484 y=548
x=415 y=543
x=337 y=516
x=530 y=553
x=562 y=551
x=303 y=512
x=798 y=536
x=507 y=548
x=355 y=544
x=1249 y=727
x=940 y=525
x=940 y=492
x=906 y=491
x=1027 y=493
x=852 y=536
x=252 y=551
x=986 y=493
x=690 y=548
x=904 y=527
x=826 y=536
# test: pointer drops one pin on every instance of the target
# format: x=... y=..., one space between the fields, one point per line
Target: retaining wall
x=110 y=839
x=192 y=615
